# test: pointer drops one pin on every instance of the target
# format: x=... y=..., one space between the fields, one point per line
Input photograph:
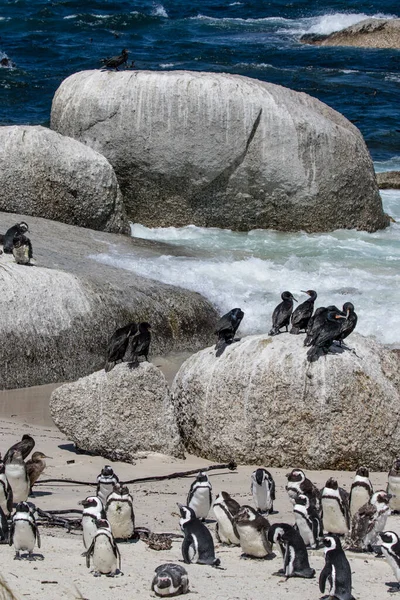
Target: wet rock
x=389 y=180
x=370 y=33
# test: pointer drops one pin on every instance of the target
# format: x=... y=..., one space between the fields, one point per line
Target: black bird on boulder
x=347 y=326
x=227 y=326
x=302 y=314
x=118 y=344
x=8 y=238
x=282 y=313
x=138 y=345
x=115 y=61
x=324 y=336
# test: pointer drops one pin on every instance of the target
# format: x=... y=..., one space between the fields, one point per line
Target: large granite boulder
x=261 y=402
x=389 y=180
x=119 y=415
x=369 y=33
x=45 y=174
x=222 y=150
x=57 y=316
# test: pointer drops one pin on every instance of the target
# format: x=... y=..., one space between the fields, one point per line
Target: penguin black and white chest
x=391 y=551
x=92 y=511
x=198 y=545
x=22 y=249
x=335 y=508
x=361 y=490
x=295 y=557
x=253 y=533
x=119 y=512
x=263 y=490
x=298 y=483
x=24 y=533
x=393 y=486
x=104 y=551
x=336 y=571
x=308 y=521
x=17 y=476
x=170 y=580
x=380 y=500
x=6 y=496
x=105 y=483
x=200 y=496
x=225 y=508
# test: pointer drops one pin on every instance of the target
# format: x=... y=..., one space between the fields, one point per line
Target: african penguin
x=335 y=508
x=119 y=512
x=369 y=521
x=92 y=510
x=361 y=490
x=17 y=476
x=22 y=249
x=263 y=490
x=198 y=545
x=308 y=521
x=225 y=508
x=4 y=528
x=336 y=570
x=253 y=533
x=393 y=486
x=104 y=551
x=200 y=496
x=298 y=483
x=6 y=495
x=391 y=551
x=24 y=533
x=105 y=483
x=295 y=557
x=170 y=580
x=8 y=239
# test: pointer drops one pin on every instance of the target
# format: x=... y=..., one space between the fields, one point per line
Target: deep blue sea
x=47 y=40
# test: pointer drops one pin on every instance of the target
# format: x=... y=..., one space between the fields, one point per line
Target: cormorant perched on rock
x=316 y=321
x=25 y=446
x=138 y=345
x=349 y=324
x=8 y=238
x=118 y=344
x=22 y=249
x=115 y=61
x=282 y=313
x=227 y=327
x=324 y=336
x=303 y=313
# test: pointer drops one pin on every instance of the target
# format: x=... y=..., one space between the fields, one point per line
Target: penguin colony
x=331 y=518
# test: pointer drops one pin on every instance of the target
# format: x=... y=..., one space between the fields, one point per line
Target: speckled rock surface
x=389 y=180
x=261 y=402
x=370 y=33
x=222 y=150
x=48 y=175
x=119 y=415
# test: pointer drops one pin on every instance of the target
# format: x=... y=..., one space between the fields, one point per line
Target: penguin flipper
x=325 y=574
x=11 y=534
x=89 y=553
x=272 y=491
x=185 y=549
x=117 y=554
x=10 y=498
x=38 y=541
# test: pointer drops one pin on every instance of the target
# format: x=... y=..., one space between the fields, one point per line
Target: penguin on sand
x=35 y=467
x=170 y=580
x=197 y=545
x=8 y=238
x=298 y=483
x=360 y=491
x=282 y=313
x=6 y=495
x=105 y=483
x=337 y=571
x=393 y=486
x=369 y=521
x=308 y=521
x=303 y=313
x=225 y=508
x=263 y=490
x=200 y=496
x=104 y=551
x=17 y=476
x=294 y=551
x=253 y=533
x=92 y=511
x=226 y=329
x=335 y=508
x=24 y=533
x=119 y=513
x=4 y=528
x=391 y=551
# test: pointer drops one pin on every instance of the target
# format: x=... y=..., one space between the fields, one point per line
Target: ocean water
x=47 y=40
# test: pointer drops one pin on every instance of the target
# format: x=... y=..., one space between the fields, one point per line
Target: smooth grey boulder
x=261 y=402
x=222 y=150
x=369 y=33
x=119 y=415
x=389 y=180
x=57 y=316
x=45 y=174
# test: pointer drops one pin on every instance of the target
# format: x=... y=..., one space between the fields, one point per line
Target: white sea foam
x=70 y=17
x=329 y=23
x=393 y=164
x=159 y=11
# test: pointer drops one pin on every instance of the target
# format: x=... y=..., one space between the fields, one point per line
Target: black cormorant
x=302 y=314
x=118 y=344
x=8 y=238
x=115 y=61
x=227 y=326
x=347 y=326
x=282 y=313
x=138 y=345
x=25 y=446
x=316 y=321
x=326 y=333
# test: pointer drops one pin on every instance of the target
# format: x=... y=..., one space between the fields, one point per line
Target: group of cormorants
x=322 y=327
x=127 y=344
